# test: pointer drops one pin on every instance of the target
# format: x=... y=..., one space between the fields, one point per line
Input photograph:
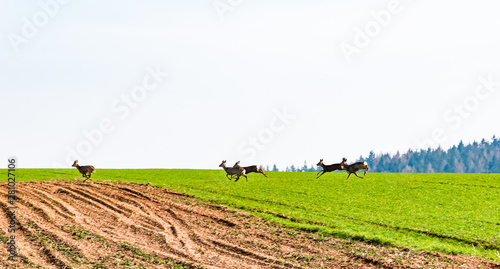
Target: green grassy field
x=449 y=213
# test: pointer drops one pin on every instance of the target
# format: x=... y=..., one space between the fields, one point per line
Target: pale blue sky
x=264 y=82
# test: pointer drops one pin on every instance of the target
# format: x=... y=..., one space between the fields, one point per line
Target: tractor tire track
x=102 y=224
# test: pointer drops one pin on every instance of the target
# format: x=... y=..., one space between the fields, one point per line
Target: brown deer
x=84 y=170
x=233 y=171
x=250 y=169
x=328 y=168
x=355 y=167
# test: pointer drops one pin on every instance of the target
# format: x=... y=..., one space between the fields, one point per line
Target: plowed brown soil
x=70 y=224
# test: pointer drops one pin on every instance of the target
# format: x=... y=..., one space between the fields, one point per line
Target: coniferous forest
x=476 y=157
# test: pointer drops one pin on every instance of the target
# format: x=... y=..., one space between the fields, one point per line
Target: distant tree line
x=293 y=168
x=477 y=157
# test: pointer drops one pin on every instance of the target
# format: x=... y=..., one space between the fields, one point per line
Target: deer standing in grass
x=328 y=168
x=250 y=169
x=355 y=167
x=239 y=171
x=84 y=170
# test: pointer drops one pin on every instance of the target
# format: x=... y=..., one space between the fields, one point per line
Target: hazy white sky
x=264 y=82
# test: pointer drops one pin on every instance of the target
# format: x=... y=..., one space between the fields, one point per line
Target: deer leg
x=348 y=175
x=245 y=177
x=263 y=173
x=321 y=174
x=357 y=175
x=227 y=175
x=238 y=178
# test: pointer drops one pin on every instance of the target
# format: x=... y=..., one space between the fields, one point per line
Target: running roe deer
x=250 y=169
x=84 y=170
x=355 y=167
x=239 y=171
x=329 y=168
